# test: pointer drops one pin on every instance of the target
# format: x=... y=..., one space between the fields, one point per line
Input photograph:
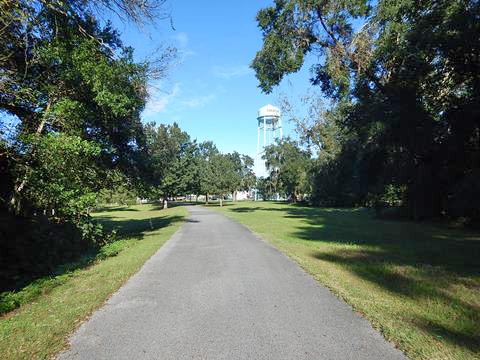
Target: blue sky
x=211 y=93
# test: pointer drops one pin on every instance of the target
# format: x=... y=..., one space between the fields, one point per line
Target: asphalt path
x=217 y=291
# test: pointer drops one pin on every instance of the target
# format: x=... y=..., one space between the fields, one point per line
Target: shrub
x=43 y=245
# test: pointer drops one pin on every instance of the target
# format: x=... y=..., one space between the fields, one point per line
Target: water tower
x=270 y=123
x=269 y=128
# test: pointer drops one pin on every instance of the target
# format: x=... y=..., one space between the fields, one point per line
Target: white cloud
x=228 y=72
x=199 y=101
x=159 y=100
x=182 y=42
x=181 y=39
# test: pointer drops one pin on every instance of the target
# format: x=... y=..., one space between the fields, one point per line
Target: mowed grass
x=39 y=329
x=419 y=284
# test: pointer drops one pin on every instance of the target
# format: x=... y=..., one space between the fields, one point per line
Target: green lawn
x=39 y=329
x=419 y=284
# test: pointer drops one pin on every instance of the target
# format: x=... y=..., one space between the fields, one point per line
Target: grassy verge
x=419 y=284
x=38 y=329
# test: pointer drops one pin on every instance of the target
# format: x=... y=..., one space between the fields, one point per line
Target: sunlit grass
x=419 y=284
x=39 y=329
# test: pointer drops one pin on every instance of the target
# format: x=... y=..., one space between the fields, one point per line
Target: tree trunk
x=206 y=199
x=16 y=199
x=294 y=196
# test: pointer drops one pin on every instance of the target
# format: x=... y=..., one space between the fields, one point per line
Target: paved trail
x=216 y=291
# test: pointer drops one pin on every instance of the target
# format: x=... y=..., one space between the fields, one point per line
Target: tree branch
x=347 y=54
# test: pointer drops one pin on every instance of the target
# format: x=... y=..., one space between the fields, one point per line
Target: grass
x=419 y=284
x=39 y=328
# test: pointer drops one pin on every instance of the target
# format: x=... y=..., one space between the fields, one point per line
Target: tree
x=405 y=77
x=288 y=166
x=206 y=169
x=224 y=171
x=71 y=95
x=265 y=187
x=218 y=173
x=248 y=178
x=179 y=178
x=170 y=158
x=236 y=176
x=65 y=178
x=243 y=178
x=64 y=72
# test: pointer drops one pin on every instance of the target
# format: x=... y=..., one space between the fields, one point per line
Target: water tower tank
x=269 y=123
x=269 y=111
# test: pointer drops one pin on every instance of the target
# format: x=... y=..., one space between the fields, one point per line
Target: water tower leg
x=258 y=141
x=264 y=132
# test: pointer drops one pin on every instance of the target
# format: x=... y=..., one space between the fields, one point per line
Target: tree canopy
x=288 y=165
x=71 y=95
x=71 y=136
x=65 y=72
x=403 y=82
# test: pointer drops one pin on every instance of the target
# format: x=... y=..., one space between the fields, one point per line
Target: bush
x=92 y=233
x=465 y=197
x=111 y=249
x=10 y=300
x=42 y=246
